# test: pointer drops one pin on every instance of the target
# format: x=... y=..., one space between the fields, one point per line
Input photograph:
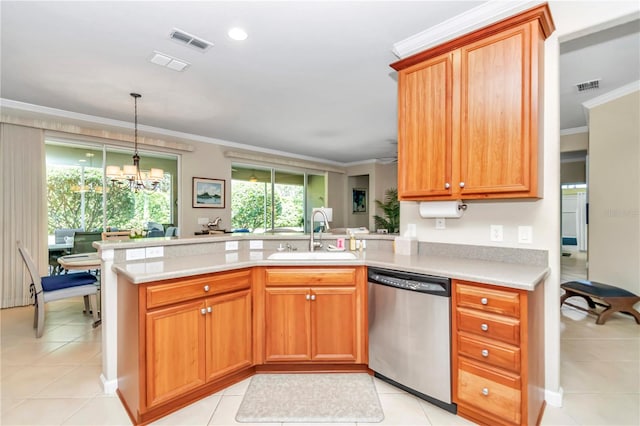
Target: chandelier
x=130 y=173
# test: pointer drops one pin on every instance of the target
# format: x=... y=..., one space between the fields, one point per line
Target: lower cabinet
x=180 y=350
x=498 y=353
x=315 y=315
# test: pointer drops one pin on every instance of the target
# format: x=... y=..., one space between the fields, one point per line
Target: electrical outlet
x=231 y=245
x=255 y=244
x=440 y=223
x=496 y=232
x=411 y=229
x=154 y=251
x=525 y=234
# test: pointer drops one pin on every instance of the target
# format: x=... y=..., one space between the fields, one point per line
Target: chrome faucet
x=312 y=243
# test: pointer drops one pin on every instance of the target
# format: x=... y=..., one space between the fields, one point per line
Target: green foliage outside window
x=251 y=205
x=125 y=209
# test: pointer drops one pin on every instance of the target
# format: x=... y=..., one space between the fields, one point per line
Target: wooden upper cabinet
x=424 y=104
x=468 y=113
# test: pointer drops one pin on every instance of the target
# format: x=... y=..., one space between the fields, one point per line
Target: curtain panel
x=23 y=213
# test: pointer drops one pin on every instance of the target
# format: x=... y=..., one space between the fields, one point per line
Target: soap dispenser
x=352 y=242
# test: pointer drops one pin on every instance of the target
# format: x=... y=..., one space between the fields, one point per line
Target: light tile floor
x=54 y=380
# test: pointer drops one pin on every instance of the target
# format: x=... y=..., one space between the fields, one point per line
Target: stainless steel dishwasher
x=410 y=333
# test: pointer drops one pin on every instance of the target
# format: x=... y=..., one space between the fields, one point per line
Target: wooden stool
x=614 y=299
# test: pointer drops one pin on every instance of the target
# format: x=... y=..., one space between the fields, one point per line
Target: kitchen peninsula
x=233 y=273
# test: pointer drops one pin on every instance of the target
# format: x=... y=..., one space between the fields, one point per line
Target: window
x=79 y=197
x=273 y=200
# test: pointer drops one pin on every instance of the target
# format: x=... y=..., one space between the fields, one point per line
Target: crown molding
x=473 y=19
x=574 y=131
x=610 y=96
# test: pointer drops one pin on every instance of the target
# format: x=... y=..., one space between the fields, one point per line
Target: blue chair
x=50 y=288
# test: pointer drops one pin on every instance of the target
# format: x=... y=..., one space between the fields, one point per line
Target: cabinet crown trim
x=479 y=22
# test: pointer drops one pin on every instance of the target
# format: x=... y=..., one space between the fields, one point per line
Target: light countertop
x=511 y=275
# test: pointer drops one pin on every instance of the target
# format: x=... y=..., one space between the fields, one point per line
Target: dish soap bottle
x=352 y=242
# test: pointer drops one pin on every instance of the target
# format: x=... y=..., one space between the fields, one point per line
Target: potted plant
x=391 y=208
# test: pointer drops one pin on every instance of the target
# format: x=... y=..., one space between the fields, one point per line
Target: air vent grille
x=588 y=85
x=190 y=40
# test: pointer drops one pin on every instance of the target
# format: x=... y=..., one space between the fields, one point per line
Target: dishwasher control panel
x=411 y=281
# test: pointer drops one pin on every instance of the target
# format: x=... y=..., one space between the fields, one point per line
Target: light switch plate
x=525 y=234
x=440 y=223
x=135 y=254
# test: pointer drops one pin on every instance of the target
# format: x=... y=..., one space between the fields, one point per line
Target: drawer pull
x=485 y=353
x=308 y=297
x=485 y=391
x=313 y=297
x=484 y=327
x=203 y=311
x=484 y=301
x=209 y=309
x=206 y=288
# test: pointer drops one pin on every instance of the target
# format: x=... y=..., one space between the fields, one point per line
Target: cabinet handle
x=485 y=353
x=203 y=311
x=313 y=297
x=308 y=297
x=484 y=327
x=485 y=391
x=484 y=301
x=209 y=309
x=206 y=288
x=461 y=184
x=447 y=186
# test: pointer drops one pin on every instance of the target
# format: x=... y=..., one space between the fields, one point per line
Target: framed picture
x=359 y=200
x=208 y=193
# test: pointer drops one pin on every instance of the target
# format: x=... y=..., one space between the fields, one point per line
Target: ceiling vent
x=190 y=40
x=588 y=85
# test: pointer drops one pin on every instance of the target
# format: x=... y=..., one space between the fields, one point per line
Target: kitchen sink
x=313 y=255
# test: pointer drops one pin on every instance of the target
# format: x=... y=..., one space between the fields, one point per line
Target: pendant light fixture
x=130 y=173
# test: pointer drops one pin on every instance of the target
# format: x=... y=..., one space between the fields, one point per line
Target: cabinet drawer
x=489 y=391
x=501 y=302
x=490 y=352
x=180 y=290
x=491 y=326
x=310 y=276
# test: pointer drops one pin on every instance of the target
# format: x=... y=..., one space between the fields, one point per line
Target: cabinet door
x=175 y=352
x=287 y=324
x=496 y=103
x=334 y=324
x=228 y=333
x=424 y=129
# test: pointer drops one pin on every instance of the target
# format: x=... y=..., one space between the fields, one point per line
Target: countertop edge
x=510 y=275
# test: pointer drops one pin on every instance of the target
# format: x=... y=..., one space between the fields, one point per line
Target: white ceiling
x=312 y=79
x=611 y=55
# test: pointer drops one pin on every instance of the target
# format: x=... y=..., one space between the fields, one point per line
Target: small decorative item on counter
x=137 y=233
x=340 y=243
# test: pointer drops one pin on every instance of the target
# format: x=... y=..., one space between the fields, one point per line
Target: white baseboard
x=108 y=386
x=554 y=398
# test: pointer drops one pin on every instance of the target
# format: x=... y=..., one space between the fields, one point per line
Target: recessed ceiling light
x=237 y=34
